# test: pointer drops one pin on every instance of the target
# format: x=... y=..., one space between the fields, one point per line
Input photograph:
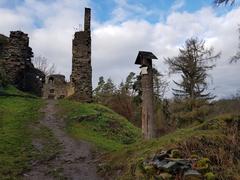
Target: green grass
x=19 y=126
x=111 y=131
x=12 y=90
x=130 y=156
x=126 y=160
x=107 y=130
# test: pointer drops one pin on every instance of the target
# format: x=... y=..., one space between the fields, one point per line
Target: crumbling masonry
x=81 y=76
x=56 y=87
x=15 y=59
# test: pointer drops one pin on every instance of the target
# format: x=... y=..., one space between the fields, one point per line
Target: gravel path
x=75 y=160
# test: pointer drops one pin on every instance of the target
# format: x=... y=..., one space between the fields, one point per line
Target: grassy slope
x=217 y=139
x=19 y=126
x=206 y=140
x=108 y=130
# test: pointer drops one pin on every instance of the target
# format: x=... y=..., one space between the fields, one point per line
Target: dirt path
x=75 y=160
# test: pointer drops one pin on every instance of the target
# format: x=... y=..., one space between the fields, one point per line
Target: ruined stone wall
x=16 y=55
x=56 y=87
x=81 y=76
x=16 y=60
x=3 y=44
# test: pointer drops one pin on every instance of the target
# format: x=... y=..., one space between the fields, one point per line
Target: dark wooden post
x=148 y=122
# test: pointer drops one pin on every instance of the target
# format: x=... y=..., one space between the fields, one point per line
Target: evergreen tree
x=192 y=63
x=108 y=87
x=191 y=99
x=160 y=85
x=129 y=83
x=100 y=85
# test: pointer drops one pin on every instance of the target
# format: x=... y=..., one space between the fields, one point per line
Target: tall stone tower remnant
x=81 y=76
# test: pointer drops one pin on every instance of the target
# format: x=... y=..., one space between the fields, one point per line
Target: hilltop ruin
x=81 y=76
x=15 y=59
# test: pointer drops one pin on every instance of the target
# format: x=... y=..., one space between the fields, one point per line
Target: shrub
x=185 y=112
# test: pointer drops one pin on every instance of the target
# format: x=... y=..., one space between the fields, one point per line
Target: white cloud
x=11 y=20
x=115 y=45
x=125 y=10
x=178 y=4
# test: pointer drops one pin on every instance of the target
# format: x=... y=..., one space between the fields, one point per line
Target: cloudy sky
x=120 y=28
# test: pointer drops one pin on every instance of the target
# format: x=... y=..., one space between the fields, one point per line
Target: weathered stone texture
x=56 y=87
x=3 y=44
x=15 y=56
x=81 y=76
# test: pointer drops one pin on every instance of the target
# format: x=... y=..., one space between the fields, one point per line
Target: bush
x=187 y=112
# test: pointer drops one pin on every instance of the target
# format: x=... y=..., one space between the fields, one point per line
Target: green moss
x=210 y=176
x=202 y=165
x=175 y=153
x=106 y=129
x=150 y=171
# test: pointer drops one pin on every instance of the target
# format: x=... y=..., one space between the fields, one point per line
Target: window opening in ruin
x=51 y=90
x=50 y=80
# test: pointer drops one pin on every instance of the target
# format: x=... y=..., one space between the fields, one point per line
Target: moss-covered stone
x=149 y=170
x=175 y=154
x=210 y=176
x=202 y=165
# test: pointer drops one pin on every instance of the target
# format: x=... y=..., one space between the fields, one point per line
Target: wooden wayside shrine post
x=148 y=121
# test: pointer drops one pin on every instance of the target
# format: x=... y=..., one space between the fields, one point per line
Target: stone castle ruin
x=56 y=87
x=15 y=59
x=80 y=85
x=81 y=76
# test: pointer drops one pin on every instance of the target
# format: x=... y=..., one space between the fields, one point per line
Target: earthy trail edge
x=75 y=159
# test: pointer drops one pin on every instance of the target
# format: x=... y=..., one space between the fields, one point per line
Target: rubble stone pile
x=169 y=165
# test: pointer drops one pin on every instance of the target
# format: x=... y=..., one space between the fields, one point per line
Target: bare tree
x=43 y=65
